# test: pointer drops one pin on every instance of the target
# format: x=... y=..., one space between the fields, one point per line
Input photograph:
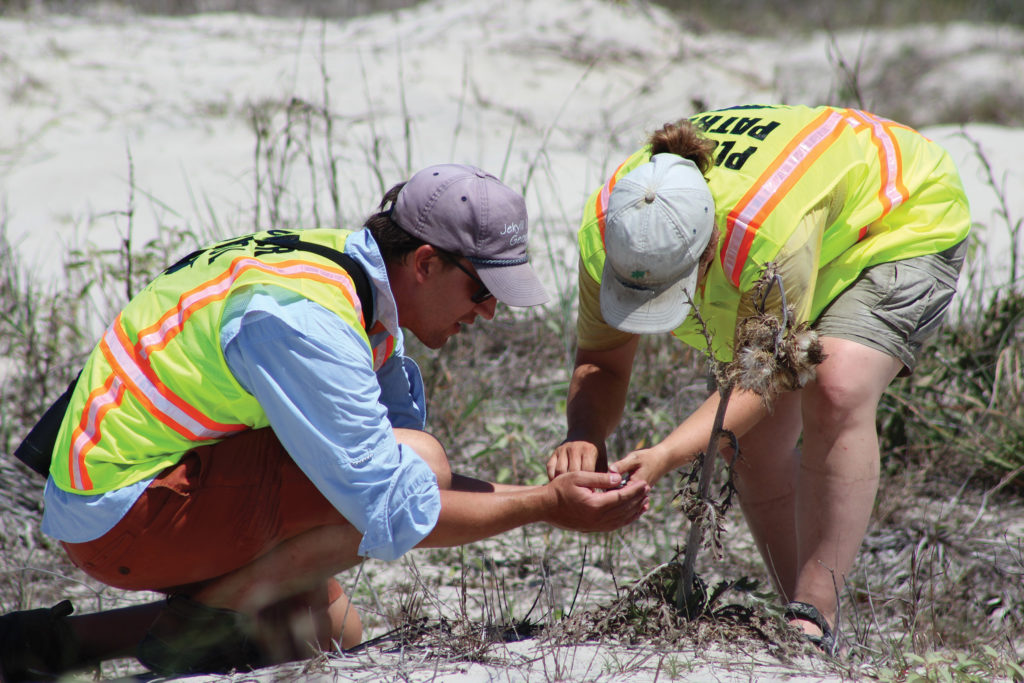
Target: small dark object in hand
x=625 y=480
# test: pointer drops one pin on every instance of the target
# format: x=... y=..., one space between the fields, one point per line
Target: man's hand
x=577 y=456
x=592 y=501
x=648 y=464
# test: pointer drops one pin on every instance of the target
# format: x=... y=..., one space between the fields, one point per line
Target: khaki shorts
x=894 y=307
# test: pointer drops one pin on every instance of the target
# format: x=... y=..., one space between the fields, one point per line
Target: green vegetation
x=938 y=592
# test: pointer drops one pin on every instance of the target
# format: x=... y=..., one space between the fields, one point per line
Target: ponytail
x=684 y=139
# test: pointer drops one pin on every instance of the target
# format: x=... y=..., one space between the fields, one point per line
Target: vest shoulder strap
x=346 y=262
x=36 y=450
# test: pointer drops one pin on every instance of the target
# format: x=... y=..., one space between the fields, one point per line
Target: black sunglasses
x=481 y=295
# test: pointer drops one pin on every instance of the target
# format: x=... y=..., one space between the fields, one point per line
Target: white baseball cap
x=660 y=218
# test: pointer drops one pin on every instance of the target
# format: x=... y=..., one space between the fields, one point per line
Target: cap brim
x=645 y=311
x=516 y=285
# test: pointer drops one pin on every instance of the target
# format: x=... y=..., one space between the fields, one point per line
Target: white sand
x=548 y=95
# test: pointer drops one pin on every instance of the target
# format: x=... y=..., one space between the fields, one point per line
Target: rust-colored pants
x=217 y=510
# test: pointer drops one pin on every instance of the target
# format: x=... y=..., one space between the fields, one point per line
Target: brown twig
x=774 y=353
x=684 y=592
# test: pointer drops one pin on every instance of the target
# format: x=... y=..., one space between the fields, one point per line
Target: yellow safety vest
x=157 y=384
x=773 y=164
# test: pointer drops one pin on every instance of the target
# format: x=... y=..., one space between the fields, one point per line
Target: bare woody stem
x=684 y=592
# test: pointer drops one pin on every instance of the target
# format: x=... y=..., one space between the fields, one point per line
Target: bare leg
x=346 y=626
x=299 y=627
x=290 y=568
x=277 y=576
x=286 y=594
x=838 y=476
x=305 y=562
x=765 y=478
x=111 y=634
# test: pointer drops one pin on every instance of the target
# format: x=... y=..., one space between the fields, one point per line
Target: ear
x=424 y=260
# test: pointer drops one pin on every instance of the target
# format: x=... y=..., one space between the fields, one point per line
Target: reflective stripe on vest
x=100 y=401
x=601 y=202
x=893 y=192
x=383 y=350
x=132 y=371
x=743 y=222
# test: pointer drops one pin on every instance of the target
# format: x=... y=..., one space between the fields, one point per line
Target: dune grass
x=937 y=594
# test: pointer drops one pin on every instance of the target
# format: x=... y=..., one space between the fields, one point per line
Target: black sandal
x=826 y=642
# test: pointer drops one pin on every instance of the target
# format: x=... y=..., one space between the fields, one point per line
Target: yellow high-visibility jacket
x=157 y=384
x=824 y=192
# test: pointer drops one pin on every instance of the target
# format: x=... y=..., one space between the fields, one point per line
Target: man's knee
x=432 y=452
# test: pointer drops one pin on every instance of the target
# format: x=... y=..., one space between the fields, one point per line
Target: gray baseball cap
x=660 y=218
x=467 y=211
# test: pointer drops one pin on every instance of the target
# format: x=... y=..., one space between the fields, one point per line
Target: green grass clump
x=937 y=588
x=962 y=412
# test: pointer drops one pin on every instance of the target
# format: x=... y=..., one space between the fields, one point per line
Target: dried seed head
x=758 y=331
x=755 y=370
x=804 y=354
x=770 y=359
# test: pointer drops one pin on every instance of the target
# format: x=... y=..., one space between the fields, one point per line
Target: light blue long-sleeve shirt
x=312 y=374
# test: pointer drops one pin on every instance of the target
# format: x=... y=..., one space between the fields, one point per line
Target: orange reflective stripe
x=601 y=203
x=87 y=433
x=789 y=167
x=893 y=191
x=382 y=351
x=162 y=403
x=132 y=371
x=157 y=336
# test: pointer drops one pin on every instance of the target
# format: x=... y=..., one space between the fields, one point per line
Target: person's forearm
x=597 y=393
x=745 y=409
x=468 y=516
x=595 y=404
x=461 y=482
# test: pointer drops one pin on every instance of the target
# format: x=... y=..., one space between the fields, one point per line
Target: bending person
x=866 y=222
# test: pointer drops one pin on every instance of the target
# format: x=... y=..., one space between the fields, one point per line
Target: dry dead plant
x=644 y=616
x=773 y=353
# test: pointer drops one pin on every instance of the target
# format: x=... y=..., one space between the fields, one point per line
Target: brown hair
x=686 y=140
